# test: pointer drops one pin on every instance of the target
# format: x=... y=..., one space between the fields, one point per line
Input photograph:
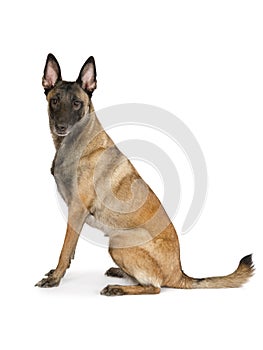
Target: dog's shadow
x=83 y=283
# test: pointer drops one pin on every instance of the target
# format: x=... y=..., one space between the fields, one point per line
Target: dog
x=103 y=189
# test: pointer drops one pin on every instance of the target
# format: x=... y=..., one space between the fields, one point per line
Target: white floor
x=75 y=315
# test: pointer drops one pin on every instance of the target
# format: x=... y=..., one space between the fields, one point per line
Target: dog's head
x=68 y=102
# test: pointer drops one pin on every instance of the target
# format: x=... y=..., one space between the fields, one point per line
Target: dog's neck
x=58 y=139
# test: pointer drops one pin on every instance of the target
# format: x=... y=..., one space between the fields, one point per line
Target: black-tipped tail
x=236 y=279
x=247 y=260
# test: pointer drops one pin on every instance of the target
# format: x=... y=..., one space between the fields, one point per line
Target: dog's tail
x=236 y=279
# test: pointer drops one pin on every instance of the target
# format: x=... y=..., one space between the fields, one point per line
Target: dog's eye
x=54 y=101
x=76 y=104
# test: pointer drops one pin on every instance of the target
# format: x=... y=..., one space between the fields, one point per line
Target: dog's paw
x=115 y=272
x=49 y=281
x=112 y=290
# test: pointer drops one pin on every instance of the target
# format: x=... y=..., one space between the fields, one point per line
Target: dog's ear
x=52 y=73
x=87 y=76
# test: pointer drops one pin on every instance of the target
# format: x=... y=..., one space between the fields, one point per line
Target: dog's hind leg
x=75 y=223
x=140 y=265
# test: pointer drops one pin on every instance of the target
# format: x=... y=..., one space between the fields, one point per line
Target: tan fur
x=102 y=188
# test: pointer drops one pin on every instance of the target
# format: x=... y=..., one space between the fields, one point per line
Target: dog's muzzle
x=61 y=129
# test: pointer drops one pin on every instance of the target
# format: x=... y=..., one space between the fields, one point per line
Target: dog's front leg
x=75 y=223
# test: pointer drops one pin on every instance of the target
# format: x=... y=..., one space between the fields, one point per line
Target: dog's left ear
x=87 y=76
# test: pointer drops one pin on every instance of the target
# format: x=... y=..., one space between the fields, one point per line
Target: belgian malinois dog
x=102 y=188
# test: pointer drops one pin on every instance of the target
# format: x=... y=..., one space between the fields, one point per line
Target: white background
x=202 y=61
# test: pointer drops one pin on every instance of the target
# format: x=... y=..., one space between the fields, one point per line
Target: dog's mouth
x=61 y=133
x=61 y=130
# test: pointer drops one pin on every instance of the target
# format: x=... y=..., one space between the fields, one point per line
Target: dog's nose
x=61 y=127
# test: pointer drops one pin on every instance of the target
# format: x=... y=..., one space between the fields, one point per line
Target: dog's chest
x=68 y=158
x=65 y=175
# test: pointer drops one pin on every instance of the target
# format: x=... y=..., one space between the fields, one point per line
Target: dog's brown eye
x=54 y=101
x=76 y=104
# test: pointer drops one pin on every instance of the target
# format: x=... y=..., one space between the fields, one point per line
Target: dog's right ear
x=52 y=73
